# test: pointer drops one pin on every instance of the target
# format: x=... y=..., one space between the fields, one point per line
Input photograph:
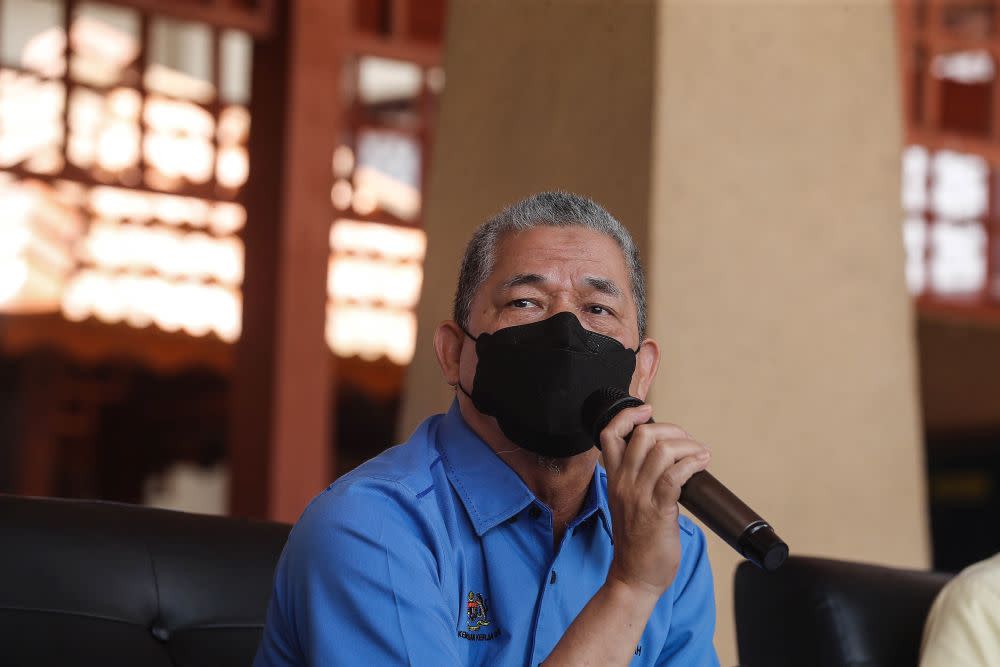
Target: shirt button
x=534 y=512
x=552 y=579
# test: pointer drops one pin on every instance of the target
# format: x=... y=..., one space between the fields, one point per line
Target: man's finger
x=644 y=438
x=661 y=457
x=668 y=488
x=613 y=436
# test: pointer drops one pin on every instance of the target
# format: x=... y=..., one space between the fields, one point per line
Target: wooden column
x=280 y=446
x=35 y=451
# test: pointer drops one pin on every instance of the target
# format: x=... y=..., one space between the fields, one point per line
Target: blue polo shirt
x=435 y=553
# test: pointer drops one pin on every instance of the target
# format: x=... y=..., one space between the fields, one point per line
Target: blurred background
x=212 y=245
x=128 y=133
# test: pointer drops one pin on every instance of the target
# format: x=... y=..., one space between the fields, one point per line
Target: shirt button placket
x=534 y=513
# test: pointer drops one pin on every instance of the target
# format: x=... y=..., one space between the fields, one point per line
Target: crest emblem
x=477 y=611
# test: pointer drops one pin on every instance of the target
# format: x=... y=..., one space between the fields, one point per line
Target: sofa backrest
x=97 y=583
x=830 y=613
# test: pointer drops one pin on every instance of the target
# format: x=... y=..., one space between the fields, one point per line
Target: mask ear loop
x=458 y=385
x=466 y=332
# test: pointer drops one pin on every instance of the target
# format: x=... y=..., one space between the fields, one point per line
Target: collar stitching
x=455 y=478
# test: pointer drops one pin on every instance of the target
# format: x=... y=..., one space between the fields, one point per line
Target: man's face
x=548 y=270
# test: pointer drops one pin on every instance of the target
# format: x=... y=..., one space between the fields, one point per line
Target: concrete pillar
x=753 y=149
x=777 y=272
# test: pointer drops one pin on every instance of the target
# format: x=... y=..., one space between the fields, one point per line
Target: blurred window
x=950 y=165
x=392 y=80
x=120 y=178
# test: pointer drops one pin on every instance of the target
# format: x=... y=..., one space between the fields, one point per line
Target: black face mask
x=535 y=377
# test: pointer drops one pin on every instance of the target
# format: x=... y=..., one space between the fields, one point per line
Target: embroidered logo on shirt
x=477 y=611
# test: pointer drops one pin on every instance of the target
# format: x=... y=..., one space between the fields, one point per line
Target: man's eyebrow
x=604 y=286
x=522 y=279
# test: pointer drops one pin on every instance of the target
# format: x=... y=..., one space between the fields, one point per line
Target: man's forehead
x=601 y=284
x=544 y=249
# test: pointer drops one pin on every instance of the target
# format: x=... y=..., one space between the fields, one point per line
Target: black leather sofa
x=829 y=613
x=105 y=584
x=88 y=583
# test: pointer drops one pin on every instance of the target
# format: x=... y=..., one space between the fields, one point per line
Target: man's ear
x=647 y=360
x=448 y=340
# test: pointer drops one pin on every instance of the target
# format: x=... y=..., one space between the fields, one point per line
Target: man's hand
x=645 y=477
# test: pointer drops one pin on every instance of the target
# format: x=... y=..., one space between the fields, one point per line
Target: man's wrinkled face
x=546 y=270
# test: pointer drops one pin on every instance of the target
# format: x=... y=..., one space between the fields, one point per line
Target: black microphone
x=703 y=495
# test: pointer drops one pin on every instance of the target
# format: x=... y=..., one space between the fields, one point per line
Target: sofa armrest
x=98 y=583
x=830 y=613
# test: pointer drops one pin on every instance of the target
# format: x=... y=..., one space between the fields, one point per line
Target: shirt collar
x=490 y=489
x=599 y=491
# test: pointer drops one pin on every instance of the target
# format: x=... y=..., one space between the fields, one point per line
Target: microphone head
x=762 y=547
x=601 y=407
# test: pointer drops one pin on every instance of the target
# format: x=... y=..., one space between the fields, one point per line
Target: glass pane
x=959 y=190
x=387 y=174
x=382 y=80
x=31 y=129
x=958 y=258
x=105 y=42
x=122 y=19
x=391 y=153
x=180 y=60
x=915 y=178
x=22 y=21
x=236 y=50
x=915 y=242
x=964 y=67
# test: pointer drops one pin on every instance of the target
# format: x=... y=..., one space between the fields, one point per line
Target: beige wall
x=753 y=149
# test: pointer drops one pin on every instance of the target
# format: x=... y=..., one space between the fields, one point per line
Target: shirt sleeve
x=358 y=584
x=692 y=621
x=963 y=626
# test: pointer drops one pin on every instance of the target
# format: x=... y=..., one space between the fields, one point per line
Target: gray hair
x=552 y=209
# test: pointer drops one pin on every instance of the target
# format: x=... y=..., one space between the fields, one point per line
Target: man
x=492 y=536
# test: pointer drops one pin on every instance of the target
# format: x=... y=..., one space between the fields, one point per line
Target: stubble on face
x=550 y=464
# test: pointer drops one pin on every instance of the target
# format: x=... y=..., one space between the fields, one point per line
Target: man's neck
x=560 y=483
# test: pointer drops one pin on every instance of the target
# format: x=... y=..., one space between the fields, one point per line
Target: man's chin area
x=551 y=464
x=487 y=428
x=560 y=464
x=555 y=465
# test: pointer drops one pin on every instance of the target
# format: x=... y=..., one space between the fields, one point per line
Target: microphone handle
x=730 y=518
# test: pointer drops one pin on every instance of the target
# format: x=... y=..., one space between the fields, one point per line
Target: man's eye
x=597 y=310
x=520 y=303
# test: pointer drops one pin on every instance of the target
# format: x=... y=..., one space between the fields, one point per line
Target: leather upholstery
x=96 y=583
x=828 y=613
